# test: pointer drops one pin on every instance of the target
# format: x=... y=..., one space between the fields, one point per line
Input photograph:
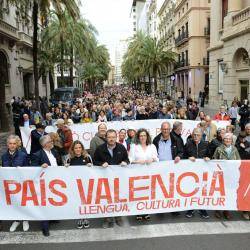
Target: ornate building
x=229 y=51
x=16 y=60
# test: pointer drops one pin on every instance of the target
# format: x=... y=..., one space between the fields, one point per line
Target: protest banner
x=58 y=193
x=85 y=132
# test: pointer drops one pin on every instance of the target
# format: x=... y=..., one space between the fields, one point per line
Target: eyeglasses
x=196 y=134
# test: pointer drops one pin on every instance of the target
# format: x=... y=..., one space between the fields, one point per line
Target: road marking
x=127 y=232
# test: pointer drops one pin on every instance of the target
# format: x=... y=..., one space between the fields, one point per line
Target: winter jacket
x=66 y=137
x=177 y=147
x=95 y=143
x=35 y=144
x=220 y=153
x=102 y=155
x=198 y=151
x=18 y=159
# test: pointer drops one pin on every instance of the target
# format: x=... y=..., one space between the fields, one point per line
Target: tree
x=65 y=36
x=42 y=8
x=145 y=57
x=97 y=68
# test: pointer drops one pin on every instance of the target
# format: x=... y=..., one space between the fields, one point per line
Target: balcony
x=182 y=38
x=181 y=64
x=25 y=39
x=205 y=61
x=241 y=16
x=8 y=30
x=207 y=31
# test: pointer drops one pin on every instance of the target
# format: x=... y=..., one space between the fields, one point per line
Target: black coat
x=102 y=155
x=40 y=157
x=199 y=151
x=177 y=147
x=35 y=144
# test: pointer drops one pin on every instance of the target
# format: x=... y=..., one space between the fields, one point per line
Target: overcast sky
x=111 y=19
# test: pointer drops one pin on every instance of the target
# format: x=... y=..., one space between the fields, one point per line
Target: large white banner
x=57 y=193
x=85 y=132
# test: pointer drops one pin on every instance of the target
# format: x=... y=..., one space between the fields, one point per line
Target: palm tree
x=97 y=68
x=42 y=8
x=145 y=57
x=66 y=36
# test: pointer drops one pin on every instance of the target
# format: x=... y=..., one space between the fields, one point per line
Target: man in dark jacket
x=244 y=113
x=167 y=145
x=36 y=134
x=45 y=157
x=111 y=153
x=176 y=133
x=196 y=148
x=15 y=158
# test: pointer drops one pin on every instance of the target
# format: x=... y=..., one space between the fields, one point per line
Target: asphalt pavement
x=163 y=232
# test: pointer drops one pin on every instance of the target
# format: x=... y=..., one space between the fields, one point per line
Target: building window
x=187 y=6
x=183 y=10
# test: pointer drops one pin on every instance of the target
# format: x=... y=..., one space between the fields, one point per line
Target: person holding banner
x=196 y=148
x=45 y=157
x=111 y=153
x=143 y=152
x=15 y=158
x=78 y=157
x=168 y=147
x=227 y=151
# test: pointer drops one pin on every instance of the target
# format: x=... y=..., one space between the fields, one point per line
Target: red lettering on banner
x=64 y=198
x=9 y=191
x=81 y=191
x=117 y=191
x=133 y=189
x=158 y=179
x=28 y=186
x=179 y=180
x=204 y=189
x=217 y=176
x=103 y=183
x=43 y=192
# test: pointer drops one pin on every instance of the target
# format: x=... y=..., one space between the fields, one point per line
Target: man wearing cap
x=66 y=136
x=36 y=134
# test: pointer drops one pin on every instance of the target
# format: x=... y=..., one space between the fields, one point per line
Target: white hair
x=44 y=139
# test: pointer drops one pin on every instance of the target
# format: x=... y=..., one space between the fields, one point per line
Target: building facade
x=138 y=16
x=16 y=54
x=229 y=51
x=166 y=35
x=120 y=51
x=192 y=33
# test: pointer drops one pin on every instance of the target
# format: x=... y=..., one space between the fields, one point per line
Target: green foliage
x=145 y=57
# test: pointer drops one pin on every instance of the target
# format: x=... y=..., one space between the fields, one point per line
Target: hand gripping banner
x=58 y=193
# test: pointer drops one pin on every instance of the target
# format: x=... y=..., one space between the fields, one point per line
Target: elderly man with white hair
x=45 y=157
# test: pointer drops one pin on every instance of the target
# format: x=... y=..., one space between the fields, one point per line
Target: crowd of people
x=109 y=147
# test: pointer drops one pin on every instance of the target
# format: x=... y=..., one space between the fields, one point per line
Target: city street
x=163 y=232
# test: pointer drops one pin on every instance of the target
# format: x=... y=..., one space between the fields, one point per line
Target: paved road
x=163 y=232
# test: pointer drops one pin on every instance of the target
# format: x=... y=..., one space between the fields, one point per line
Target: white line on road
x=124 y=233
